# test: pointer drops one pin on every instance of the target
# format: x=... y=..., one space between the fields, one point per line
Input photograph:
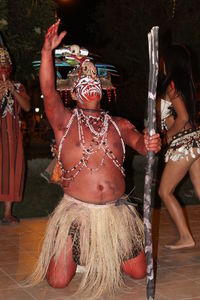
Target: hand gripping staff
x=152 y=86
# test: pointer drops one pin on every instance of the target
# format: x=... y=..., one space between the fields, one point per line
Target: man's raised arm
x=54 y=107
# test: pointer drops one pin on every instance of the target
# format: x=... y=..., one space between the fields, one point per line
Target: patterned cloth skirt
x=183 y=144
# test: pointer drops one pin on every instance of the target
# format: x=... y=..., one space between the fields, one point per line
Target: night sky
x=116 y=30
x=75 y=18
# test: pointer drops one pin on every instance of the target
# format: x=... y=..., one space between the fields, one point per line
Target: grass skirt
x=109 y=234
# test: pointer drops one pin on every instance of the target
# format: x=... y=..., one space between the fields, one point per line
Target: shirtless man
x=105 y=233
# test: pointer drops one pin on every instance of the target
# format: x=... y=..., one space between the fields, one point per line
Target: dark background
x=114 y=30
x=117 y=32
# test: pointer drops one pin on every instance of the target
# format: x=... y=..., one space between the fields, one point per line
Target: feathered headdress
x=77 y=63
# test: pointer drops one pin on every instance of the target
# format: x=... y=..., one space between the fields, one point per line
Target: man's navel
x=100 y=187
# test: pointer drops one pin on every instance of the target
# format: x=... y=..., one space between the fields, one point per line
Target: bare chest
x=90 y=143
x=85 y=143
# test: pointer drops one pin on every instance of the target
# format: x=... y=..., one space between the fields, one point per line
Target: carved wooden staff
x=152 y=86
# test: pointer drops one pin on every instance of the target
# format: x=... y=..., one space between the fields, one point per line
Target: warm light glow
x=64 y=1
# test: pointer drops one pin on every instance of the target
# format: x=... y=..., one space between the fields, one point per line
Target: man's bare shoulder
x=123 y=124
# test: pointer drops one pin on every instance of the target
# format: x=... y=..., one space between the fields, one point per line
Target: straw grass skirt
x=108 y=234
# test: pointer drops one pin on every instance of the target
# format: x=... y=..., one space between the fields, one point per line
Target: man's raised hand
x=52 y=39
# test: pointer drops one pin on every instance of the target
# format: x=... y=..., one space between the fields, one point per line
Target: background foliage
x=23 y=25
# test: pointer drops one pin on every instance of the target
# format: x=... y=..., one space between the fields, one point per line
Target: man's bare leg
x=135 y=267
x=60 y=274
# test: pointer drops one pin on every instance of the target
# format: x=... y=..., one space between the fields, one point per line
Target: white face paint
x=88 y=89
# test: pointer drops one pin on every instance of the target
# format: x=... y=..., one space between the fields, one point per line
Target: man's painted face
x=88 y=89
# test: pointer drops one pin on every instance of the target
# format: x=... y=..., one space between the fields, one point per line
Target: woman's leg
x=60 y=274
x=7 y=211
x=8 y=218
x=173 y=173
x=195 y=175
x=135 y=267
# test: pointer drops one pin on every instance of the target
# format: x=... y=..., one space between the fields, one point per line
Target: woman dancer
x=183 y=138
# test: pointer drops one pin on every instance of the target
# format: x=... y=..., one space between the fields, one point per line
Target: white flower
x=37 y=30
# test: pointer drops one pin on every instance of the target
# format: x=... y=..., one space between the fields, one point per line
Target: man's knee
x=59 y=281
x=135 y=267
x=59 y=277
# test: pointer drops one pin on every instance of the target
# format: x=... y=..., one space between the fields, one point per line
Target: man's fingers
x=53 y=32
x=53 y=28
x=153 y=147
x=145 y=130
x=61 y=36
x=154 y=136
x=152 y=143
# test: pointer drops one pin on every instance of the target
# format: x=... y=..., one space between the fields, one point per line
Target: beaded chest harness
x=98 y=142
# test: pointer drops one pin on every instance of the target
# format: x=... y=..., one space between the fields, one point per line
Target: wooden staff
x=152 y=86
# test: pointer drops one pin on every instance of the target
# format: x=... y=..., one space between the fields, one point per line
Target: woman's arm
x=181 y=119
x=23 y=99
x=20 y=95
